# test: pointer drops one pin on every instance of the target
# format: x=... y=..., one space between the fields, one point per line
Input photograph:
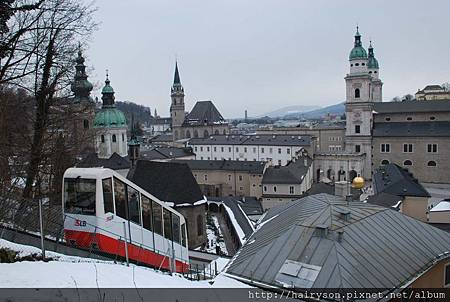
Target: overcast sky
x=262 y=55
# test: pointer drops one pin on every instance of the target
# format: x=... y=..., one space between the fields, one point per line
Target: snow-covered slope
x=76 y=272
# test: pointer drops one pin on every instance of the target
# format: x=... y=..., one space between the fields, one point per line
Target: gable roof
x=253 y=167
x=204 y=112
x=412 y=106
x=310 y=243
x=292 y=173
x=412 y=129
x=395 y=180
x=115 y=162
x=168 y=181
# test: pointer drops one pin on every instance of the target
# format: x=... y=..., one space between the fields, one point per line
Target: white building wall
x=274 y=154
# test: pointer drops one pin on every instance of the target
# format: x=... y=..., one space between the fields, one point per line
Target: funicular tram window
x=157 y=218
x=146 y=213
x=79 y=196
x=107 y=195
x=183 y=234
x=133 y=205
x=120 y=198
x=167 y=224
x=176 y=228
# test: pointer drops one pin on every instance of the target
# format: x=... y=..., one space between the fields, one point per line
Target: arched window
x=114 y=138
x=357 y=93
x=206 y=133
x=216 y=132
x=363 y=64
x=195 y=133
x=224 y=131
x=102 y=138
x=274 y=188
x=431 y=163
x=385 y=162
x=370 y=72
x=123 y=137
x=199 y=225
x=356 y=64
x=432 y=118
x=407 y=163
x=188 y=134
x=375 y=71
x=86 y=124
x=409 y=118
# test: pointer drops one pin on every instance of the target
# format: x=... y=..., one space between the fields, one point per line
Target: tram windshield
x=79 y=196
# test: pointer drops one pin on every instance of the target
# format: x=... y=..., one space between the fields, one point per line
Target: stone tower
x=81 y=109
x=363 y=88
x=111 y=126
x=177 y=110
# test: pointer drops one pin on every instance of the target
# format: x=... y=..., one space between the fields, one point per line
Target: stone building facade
x=218 y=178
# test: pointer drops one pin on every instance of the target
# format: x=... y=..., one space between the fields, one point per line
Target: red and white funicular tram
x=102 y=209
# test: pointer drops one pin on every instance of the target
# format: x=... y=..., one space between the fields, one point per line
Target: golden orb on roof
x=358 y=182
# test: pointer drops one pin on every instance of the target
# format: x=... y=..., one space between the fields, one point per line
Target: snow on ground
x=77 y=272
x=213 y=239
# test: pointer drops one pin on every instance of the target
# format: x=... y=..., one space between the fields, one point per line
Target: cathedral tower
x=111 y=126
x=362 y=89
x=177 y=110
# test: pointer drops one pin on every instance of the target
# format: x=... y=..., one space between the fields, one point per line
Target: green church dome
x=372 y=63
x=107 y=88
x=110 y=117
x=358 y=52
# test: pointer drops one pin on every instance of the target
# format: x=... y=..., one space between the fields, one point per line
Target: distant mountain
x=141 y=114
x=337 y=109
x=297 y=109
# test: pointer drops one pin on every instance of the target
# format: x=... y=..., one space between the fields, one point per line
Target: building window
x=432 y=118
x=357 y=129
x=387 y=119
x=407 y=148
x=237 y=149
x=207 y=149
x=291 y=189
x=86 y=124
x=195 y=148
x=288 y=151
x=274 y=188
x=265 y=188
x=356 y=64
x=229 y=177
x=431 y=163
x=357 y=148
x=102 y=138
x=385 y=162
x=409 y=118
x=201 y=148
x=221 y=149
x=114 y=138
x=385 y=148
x=447 y=275
x=357 y=93
x=407 y=163
x=205 y=177
x=241 y=188
x=240 y=177
x=279 y=150
x=215 y=149
x=229 y=149
x=123 y=137
x=262 y=150
x=245 y=149
x=254 y=149
x=432 y=148
x=279 y=162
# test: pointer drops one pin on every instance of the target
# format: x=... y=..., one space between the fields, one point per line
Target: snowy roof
x=321 y=241
x=442 y=206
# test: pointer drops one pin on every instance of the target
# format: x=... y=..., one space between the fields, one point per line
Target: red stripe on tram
x=117 y=247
